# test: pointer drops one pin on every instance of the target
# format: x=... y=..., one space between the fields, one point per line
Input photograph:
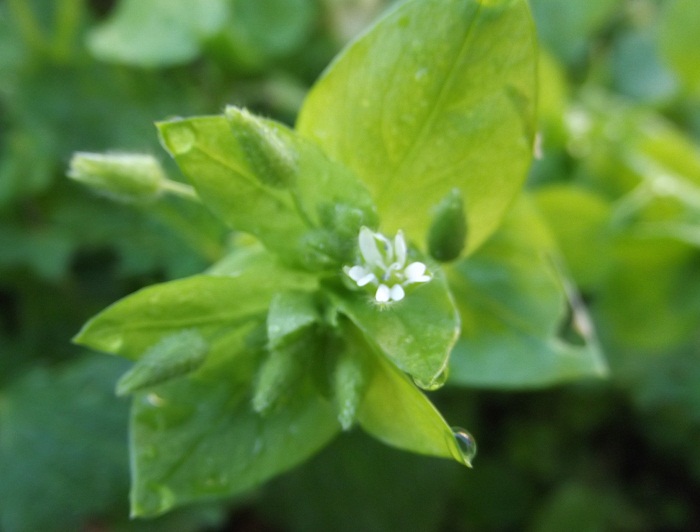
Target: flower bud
x=121 y=176
x=173 y=356
x=271 y=159
x=447 y=235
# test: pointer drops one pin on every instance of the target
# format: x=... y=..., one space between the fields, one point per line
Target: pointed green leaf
x=397 y=413
x=439 y=94
x=198 y=438
x=514 y=301
x=207 y=303
x=173 y=356
x=417 y=333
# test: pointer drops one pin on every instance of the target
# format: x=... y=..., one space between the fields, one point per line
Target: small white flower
x=383 y=266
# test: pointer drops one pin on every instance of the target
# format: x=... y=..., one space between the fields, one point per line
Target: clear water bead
x=466 y=444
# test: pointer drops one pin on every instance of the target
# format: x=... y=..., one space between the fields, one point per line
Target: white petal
x=383 y=293
x=355 y=273
x=397 y=293
x=369 y=278
x=415 y=273
x=368 y=247
x=400 y=249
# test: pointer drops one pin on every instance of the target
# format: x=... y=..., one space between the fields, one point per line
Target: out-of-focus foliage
x=617 y=185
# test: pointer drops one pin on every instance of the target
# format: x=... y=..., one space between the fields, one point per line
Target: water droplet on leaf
x=466 y=444
x=434 y=384
x=179 y=138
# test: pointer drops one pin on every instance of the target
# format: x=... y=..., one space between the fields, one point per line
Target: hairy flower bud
x=121 y=176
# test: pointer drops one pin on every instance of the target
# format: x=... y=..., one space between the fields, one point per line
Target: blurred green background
x=618 y=180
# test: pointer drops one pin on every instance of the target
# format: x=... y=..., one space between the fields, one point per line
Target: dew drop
x=155 y=400
x=466 y=444
x=113 y=344
x=433 y=384
x=421 y=74
x=149 y=453
x=166 y=496
x=180 y=139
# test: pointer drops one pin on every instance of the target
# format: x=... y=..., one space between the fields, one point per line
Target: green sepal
x=173 y=356
x=281 y=371
x=350 y=379
x=289 y=315
x=447 y=236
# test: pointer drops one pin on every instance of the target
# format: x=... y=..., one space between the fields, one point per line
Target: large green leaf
x=211 y=304
x=199 y=438
x=417 y=334
x=513 y=303
x=439 y=94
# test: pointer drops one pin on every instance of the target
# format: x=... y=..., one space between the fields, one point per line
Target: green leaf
x=258 y=32
x=628 y=307
x=198 y=437
x=62 y=442
x=439 y=94
x=417 y=333
x=209 y=304
x=566 y=27
x=156 y=33
x=514 y=300
x=679 y=42
x=580 y=221
x=397 y=413
x=173 y=356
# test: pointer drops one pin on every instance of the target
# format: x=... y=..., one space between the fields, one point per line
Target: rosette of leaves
x=423 y=126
